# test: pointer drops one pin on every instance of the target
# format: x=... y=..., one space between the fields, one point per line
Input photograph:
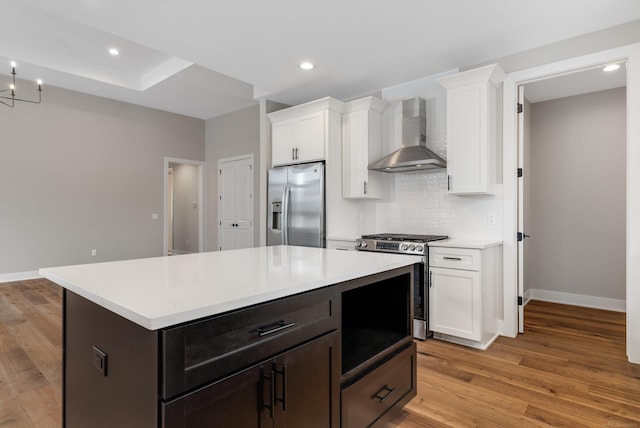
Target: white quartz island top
x=164 y=291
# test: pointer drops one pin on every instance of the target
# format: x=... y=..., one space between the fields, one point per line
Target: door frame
x=250 y=158
x=201 y=186
x=630 y=54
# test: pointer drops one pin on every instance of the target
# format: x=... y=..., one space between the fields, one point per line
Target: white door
x=235 y=203
x=521 y=178
x=169 y=214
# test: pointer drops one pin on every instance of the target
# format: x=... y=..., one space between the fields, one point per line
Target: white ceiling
x=577 y=83
x=204 y=58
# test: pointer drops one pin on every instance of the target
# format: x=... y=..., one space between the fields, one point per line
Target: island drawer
x=197 y=353
x=365 y=401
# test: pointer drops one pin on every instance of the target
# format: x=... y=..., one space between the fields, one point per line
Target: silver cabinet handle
x=365 y=187
x=452 y=258
x=448 y=182
x=430 y=279
x=273 y=328
x=293 y=153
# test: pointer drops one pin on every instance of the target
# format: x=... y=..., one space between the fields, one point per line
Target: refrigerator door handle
x=285 y=216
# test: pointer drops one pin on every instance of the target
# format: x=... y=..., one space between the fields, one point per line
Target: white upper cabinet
x=361 y=145
x=472 y=129
x=300 y=134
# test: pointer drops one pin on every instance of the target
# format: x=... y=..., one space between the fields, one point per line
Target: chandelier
x=11 y=96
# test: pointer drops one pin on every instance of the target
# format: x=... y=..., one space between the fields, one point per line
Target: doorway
x=572 y=151
x=631 y=54
x=183 y=196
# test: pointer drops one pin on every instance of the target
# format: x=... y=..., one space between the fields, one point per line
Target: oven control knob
x=412 y=247
x=404 y=247
x=419 y=248
x=358 y=244
x=363 y=244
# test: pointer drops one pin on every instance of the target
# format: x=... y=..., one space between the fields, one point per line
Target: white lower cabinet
x=465 y=283
x=455 y=303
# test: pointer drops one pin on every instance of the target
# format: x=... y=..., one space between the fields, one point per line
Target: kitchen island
x=268 y=336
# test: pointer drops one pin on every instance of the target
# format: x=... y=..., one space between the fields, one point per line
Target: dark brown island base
x=341 y=355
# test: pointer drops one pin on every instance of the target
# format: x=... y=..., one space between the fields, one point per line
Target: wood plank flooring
x=569 y=369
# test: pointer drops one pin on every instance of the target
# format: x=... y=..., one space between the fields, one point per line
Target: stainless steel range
x=415 y=245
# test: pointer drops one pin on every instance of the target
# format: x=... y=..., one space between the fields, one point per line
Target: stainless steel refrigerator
x=296 y=201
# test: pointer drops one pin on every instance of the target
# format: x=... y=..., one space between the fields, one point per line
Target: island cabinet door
x=307 y=385
x=298 y=389
x=240 y=400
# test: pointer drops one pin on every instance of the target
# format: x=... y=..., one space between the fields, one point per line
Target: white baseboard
x=19 y=276
x=465 y=342
x=527 y=297
x=606 y=303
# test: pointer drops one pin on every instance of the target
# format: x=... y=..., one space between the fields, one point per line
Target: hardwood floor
x=569 y=369
x=30 y=354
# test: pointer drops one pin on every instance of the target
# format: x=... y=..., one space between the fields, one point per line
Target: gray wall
x=80 y=172
x=608 y=38
x=528 y=189
x=229 y=135
x=185 y=215
x=578 y=151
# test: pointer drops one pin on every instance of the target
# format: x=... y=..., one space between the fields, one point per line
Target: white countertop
x=465 y=243
x=164 y=291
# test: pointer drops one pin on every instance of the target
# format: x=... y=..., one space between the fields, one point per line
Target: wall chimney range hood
x=414 y=154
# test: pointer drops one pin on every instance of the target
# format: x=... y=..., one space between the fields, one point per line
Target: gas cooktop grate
x=404 y=237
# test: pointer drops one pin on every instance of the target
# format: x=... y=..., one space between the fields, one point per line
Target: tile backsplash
x=420 y=204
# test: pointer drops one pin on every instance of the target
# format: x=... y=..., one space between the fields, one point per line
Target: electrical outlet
x=491 y=218
x=94 y=252
x=154 y=216
x=99 y=359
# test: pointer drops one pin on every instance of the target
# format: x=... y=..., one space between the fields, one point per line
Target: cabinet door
x=283 y=142
x=355 y=155
x=307 y=385
x=310 y=137
x=241 y=400
x=467 y=139
x=361 y=144
x=455 y=303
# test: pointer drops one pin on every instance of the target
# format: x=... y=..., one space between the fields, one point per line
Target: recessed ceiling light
x=611 y=67
x=306 y=66
x=114 y=51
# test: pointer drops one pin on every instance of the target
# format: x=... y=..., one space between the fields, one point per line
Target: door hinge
x=519 y=172
x=220 y=223
x=520 y=108
x=520 y=236
x=519 y=300
x=220 y=172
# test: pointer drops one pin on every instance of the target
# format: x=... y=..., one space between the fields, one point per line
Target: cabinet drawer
x=366 y=400
x=454 y=258
x=200 y=352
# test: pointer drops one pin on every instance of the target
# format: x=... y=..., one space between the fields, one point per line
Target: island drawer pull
x=273 y=328
x=452 y=258
x=385 y=396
